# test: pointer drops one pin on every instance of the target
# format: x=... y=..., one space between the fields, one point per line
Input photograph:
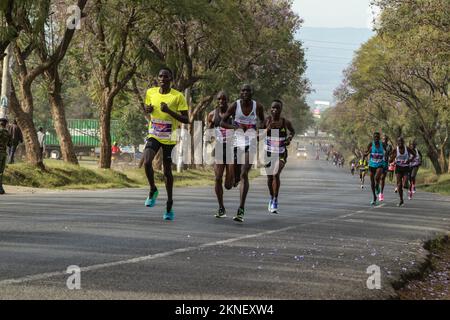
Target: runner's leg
x=277 y=180
x=219 y=169
x=168 y=176
x=150 y=151
x=372 y=184
x=400 y=186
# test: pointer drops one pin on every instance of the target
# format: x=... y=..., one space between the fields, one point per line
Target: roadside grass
x=427 y=180
x=60 y=175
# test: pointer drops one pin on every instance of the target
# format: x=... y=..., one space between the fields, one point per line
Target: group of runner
x=384 y=159
x=235 y=148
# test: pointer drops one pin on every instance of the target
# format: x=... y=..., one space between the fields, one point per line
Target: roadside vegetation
x=61 y=175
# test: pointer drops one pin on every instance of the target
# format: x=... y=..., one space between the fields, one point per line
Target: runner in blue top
x=376 y=163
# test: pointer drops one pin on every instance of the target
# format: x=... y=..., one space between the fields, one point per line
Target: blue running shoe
x=274 y=208
x=169 y=216
x=269 y=207
x=150 y=201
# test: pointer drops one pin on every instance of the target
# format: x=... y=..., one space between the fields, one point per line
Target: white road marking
x=48 y=275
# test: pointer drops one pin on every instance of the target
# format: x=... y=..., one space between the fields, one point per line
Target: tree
x=114 y=55
x=32 y=20
x=400 y=77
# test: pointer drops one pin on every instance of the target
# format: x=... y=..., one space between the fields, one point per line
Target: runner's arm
x=368 y=150
x=230 y=111
x=291 y=131
x=392 y=158
x=210 y=120
x=260 y=113
x=183 y=116
x=412 y=154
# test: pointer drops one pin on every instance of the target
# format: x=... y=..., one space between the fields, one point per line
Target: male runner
x=388 y=149
x=376 y=163
x=363 y=167
x=277 y=141
x=402 y=157
x=166 y=107
x=352 y=167
x=223 y=137
x=246 y=112
x=416 y=162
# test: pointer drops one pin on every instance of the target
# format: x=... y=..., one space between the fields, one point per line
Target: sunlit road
x=318 y=247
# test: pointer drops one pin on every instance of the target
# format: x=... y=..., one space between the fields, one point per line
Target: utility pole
x=6 y=83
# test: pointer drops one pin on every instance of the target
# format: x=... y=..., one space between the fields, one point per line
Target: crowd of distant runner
x=381 y=159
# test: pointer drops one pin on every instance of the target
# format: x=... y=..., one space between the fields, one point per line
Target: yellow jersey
x=162 y=126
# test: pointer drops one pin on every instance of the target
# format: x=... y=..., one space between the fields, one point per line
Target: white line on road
x=48 y=275
x=140 y=259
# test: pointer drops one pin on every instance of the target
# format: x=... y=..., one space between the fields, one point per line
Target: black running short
x=154 y=145
x=282 y=157
x=402 y=170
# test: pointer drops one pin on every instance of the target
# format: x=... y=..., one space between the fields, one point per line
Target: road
x=318 y=247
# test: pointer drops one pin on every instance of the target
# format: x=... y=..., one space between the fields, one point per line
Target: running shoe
x=362 y=186
x=221 y=213
x=274 y=207
x=410 y=195
x=240 y=215
x=373 y=203
x=151 y=199
x=2 y=191
x=169 y=215
x=269 y=207
x=414 y=189
x=401 y=204
x=396 y=190
x=381 y=197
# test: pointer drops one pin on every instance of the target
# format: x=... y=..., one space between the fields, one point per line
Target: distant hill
x=328 y=52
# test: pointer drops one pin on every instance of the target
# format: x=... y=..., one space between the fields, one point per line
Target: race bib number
x=245 y=125
x=161 y=129
x=276 y=145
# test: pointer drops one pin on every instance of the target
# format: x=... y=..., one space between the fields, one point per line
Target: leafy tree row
x=398 y=81
x=102 y=69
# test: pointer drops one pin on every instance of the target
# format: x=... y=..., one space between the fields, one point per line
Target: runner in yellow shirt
x=166 y=107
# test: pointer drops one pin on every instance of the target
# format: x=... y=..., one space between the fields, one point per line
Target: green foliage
x=132 y=128
x=398 y=81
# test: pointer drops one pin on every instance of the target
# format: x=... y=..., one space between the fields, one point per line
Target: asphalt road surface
x=319 y=246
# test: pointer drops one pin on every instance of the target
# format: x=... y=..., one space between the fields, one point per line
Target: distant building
x=319 y=107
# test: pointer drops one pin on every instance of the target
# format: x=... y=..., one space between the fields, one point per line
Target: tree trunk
x=433 y=154
x=105 y=131
x=443 y=159
x=26 y=125
x=59 y=117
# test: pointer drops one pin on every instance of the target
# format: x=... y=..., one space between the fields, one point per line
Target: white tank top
x=249 y=122
x=416 y=161
x=402 y=159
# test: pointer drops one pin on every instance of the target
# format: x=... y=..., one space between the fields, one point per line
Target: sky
x=334 y=13
x=329 y=51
